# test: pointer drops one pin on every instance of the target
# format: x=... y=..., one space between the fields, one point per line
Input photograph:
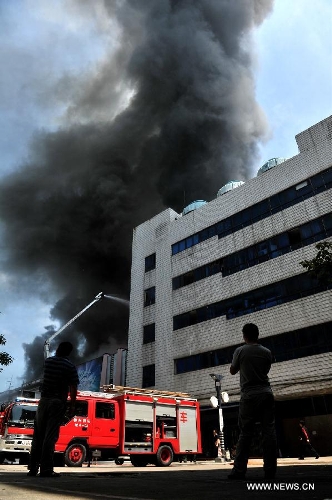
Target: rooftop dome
x=229 y=186
x=193 y=206
x=273 y=162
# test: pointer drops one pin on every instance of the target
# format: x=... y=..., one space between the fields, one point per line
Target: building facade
x=197 y=277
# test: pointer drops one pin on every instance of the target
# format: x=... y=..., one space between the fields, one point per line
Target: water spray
x=117 y=299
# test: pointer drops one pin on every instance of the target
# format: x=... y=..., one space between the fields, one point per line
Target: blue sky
x=48 y=42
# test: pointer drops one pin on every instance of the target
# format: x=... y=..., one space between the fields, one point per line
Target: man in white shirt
x=253 y=361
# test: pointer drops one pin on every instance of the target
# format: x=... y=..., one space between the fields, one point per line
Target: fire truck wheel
x=164 y=456
x=75 y=455
x=119 y=461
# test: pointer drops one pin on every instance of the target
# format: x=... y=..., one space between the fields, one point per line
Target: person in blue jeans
x=253 y=361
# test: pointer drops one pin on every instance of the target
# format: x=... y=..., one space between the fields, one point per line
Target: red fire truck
x=16 y=429
x=148 y=426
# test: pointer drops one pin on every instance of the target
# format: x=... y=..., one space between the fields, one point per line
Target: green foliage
x=321 y=265
x=5 y=358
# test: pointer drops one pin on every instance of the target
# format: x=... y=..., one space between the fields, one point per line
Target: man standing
x=60 y=378
x=216 y=443
x=305 y=442
x=253 y=361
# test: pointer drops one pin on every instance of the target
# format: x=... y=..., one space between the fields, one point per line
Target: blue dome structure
x=273 y=162
x=193 y=206
x=229 y=186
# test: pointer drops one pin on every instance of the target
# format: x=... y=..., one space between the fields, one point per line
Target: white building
x=198 y=277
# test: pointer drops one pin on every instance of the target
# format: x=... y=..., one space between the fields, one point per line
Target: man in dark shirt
x=253 y=361
x=60 y=378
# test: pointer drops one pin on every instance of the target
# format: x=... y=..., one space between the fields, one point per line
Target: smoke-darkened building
x=93 y=374
x=197 y=277
x=104 y=370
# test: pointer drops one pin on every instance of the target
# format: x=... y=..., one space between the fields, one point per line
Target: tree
x=321 y=265
x=5 y=358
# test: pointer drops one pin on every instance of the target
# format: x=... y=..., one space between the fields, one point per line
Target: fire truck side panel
x=138 y=416
x=187 y=429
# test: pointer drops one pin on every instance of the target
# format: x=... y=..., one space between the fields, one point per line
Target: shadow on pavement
x=313 y=481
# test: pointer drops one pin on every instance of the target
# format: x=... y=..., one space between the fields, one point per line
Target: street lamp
x=217 y=403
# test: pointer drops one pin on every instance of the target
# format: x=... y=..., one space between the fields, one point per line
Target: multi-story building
x=197 y=277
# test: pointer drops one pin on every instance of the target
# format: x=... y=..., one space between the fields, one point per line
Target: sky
x=82 y=79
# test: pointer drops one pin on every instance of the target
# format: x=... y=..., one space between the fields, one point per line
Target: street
x=204 y=480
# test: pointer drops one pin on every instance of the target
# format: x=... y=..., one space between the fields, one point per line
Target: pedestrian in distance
x=253 y=361
x=216 y=442
x=60 y=378
x=305 y=444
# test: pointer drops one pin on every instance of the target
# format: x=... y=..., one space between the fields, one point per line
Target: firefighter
x=305 y=442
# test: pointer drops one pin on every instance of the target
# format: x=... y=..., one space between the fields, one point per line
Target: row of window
x=289 y=197
x=102 y=410
x=280 y=244
x=262 y=298
x=291 y=345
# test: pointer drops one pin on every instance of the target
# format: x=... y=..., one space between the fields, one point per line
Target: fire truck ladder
x=119 y=389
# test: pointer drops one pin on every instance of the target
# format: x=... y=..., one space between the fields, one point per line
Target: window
x=149 y=296
x=105 y=410
x=317 y=183
x=288 y=197
x=213 y=268
x=260 y=210
x=327 y=221
x=81 y=408
x=149 y=333
x=148 y=376
x=294 y=237
x=176 y=282
x=175 y=248
x=180 y=321
x=188 y=278
x=22 y=415
x=327 y=176
x=150 y=262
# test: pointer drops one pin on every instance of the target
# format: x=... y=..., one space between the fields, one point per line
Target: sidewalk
x=110 y=466
x=204 y=480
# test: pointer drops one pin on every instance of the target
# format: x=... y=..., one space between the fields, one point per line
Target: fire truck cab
x=148 y=426
x=16 y=429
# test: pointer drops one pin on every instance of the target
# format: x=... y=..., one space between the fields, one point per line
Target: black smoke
x=191 y=124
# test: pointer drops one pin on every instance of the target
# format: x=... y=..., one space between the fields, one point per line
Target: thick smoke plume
x=170 y=114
